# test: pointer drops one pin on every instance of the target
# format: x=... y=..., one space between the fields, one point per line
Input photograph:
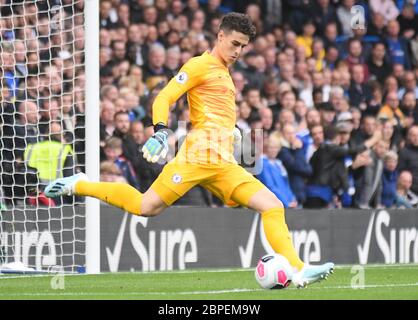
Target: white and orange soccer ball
x=273 y=271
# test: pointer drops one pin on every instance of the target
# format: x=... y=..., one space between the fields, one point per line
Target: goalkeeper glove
x=156 y=147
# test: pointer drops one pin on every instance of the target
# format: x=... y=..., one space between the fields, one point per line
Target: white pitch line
x=191 y=271
x=237 y=290
x=345 y=266
x=23 y=276
x=369 y=286
x=43 y=275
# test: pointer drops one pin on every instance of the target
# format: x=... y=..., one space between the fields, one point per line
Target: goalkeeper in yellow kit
x=206 y=156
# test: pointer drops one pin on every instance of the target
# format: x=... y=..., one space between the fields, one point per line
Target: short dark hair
x=239 y=22
x=330 y=132
x=117 y=114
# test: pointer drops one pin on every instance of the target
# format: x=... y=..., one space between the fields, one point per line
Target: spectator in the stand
x=155 y=67
x=318 y=53
x=356 y=56
x=376 y=98
x=253 y=97
x=306 y=38
x=319 y=188
x=29 y=90
x=109 y=92
x=285 y=116
x=323 y=15
x=405 y=197
x=359 y=91
x=20 y=58
x=49 y=111
x=274 y=174
x=51 y=157
x=267 y=119
x=113 y=152
x=302 y=75
x=270 y=90
x=369 y=188
x=367 y=128
x=104 y=13
x=390 y=84
x=331 y=58
x=300 y=116
x=134 y=81
x=134 y=47
x=292 y=156
x=356 y=115
x=379 y=67
x=327 y=113
x=172 y=61
x=244 y=112
x=123 y=15
x=409 y=84
x=385 y=7
x=240 y=83
x=107 y=115
x=394 y=138
x=408 y=157
x=409 y=108
x=317 y=97
x=18 y=135
x=119 y=51
x=253 y=73
x=397 y=46
x=212 y=10
x=377 y=25
x=389 y=179
x=122 y=127
x=345 y=17
x=316 y=132
x=330 y=172
x=408 y=21
x=391 y=111
x=9 y=75
x=269 y=55
x=132 y=104
x=146 y=172
x=254 y=11
x=288 y=100
x=330 y=35
x=110 y=172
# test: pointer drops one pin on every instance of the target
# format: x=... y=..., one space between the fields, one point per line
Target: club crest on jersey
x=182 y=77
x=176 y=178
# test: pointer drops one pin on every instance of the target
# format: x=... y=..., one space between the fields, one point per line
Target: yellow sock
x=278 y=235
x=120 y=195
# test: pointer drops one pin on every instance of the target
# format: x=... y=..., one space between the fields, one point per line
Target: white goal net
x=42 y=133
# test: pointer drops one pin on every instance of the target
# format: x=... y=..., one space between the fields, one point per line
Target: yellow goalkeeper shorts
x=176 y=179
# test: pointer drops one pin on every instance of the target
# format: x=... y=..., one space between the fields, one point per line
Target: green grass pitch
x=380 y=282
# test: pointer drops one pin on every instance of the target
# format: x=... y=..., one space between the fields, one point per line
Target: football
x=273 y=271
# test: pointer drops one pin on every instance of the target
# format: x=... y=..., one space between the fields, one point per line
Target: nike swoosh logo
x=363 y=250
x=247 y=253
x=114 y=257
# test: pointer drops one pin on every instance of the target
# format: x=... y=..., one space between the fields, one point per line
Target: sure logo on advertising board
x=399 y=246
x=173 y=247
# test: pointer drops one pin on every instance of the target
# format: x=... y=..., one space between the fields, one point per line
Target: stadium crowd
x=336 y=99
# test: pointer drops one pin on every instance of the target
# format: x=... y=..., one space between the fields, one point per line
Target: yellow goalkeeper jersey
x=211 y=99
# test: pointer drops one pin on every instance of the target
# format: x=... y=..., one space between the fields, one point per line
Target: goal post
x=92 y=133
x=49 y=128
